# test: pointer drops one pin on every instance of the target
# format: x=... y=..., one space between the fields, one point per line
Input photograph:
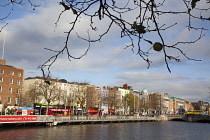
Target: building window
x=1 y=71
x=10 y=90
x=12 y=73
x=18 y=82
x=19 y=74
x=0 y=89
x=1 y=79
x=9 y=100
x=11 y=81
x=17 y=91
x=16 y=101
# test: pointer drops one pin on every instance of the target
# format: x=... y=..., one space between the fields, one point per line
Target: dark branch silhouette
x=146 y=22
x=148 y=16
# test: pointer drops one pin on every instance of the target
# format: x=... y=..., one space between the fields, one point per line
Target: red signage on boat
x=17 y=118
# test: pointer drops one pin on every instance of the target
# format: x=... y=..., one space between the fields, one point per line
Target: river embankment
x=55 y=120
x=49 y=120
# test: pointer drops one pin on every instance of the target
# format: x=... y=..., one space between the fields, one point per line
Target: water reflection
x=112 y=131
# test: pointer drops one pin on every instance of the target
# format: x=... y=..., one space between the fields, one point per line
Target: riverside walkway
x=55 y=120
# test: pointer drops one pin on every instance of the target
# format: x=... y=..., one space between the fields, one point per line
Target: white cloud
x=180 y=86
x=107 y=62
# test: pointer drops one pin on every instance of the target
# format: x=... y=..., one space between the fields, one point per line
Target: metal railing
x=49 y=119
x=105 y=118
x=45 y=118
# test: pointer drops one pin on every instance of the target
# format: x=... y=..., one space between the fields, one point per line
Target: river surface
x=166 y=130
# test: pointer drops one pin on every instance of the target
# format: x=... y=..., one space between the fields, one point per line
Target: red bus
x=112 y=111
x=59 y=112
x=56 y=110
x=92 y=111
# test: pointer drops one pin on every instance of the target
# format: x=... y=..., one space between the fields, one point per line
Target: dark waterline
x=166 y=130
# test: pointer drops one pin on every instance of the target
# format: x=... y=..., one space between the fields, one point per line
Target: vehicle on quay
x=16 y=110
x=112 y=111
x=195 y=112
x=56 y=110
x=25 y=111
x=59 y=112
x=92 y=111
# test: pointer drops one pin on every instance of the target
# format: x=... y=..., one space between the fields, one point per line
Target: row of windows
x=10 y=81
x=9 y=100
x=10 y=90
x=11 y=73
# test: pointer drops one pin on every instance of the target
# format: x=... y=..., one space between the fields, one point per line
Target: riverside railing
x=45 y=118
x=54 y=120
x=83 y=119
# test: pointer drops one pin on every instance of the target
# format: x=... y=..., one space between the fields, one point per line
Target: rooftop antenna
x=4 y=45
x=209 y=94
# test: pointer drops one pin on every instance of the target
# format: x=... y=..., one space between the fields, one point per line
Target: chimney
x=2 y=62
x=125 y=86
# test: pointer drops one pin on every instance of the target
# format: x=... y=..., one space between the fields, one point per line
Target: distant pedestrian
x=100 y=113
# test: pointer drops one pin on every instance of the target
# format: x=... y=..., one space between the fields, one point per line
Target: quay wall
x=197 y=118
x=188 y=118
x=54 y=120
x=17 y=120
x=103 y=119
x=174 y=117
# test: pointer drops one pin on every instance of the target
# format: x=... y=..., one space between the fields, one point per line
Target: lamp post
x=134 y=103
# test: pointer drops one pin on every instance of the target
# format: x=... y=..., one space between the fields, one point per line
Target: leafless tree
x=45 y=92
x=148 y=17
x=147 y=20
x=62 y=96
x=81 y=94
x=143 y=104
x=9 y=5
x=111 y=99
x=92 y=97
x=69 y=100
x=50 y=92
x=156 y=102
x=31 y=96
x=114 y=100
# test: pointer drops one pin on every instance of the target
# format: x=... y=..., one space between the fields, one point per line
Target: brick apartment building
x=11 y=79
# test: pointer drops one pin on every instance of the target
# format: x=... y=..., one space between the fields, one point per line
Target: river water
x=166 y=130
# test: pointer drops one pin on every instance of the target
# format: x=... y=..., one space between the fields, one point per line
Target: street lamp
x=134 y=105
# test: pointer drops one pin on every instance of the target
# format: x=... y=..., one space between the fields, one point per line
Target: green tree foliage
x=132 y=101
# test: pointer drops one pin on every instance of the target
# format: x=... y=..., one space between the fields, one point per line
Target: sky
x=107 y=62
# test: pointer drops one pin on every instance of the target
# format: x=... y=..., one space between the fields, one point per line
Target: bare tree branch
x=149 y=13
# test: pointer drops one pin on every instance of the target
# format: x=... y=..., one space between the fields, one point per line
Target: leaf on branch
x=157 y=46
x=150 y=42
x=134 y=25
x=193 y=3
x=139 y=28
